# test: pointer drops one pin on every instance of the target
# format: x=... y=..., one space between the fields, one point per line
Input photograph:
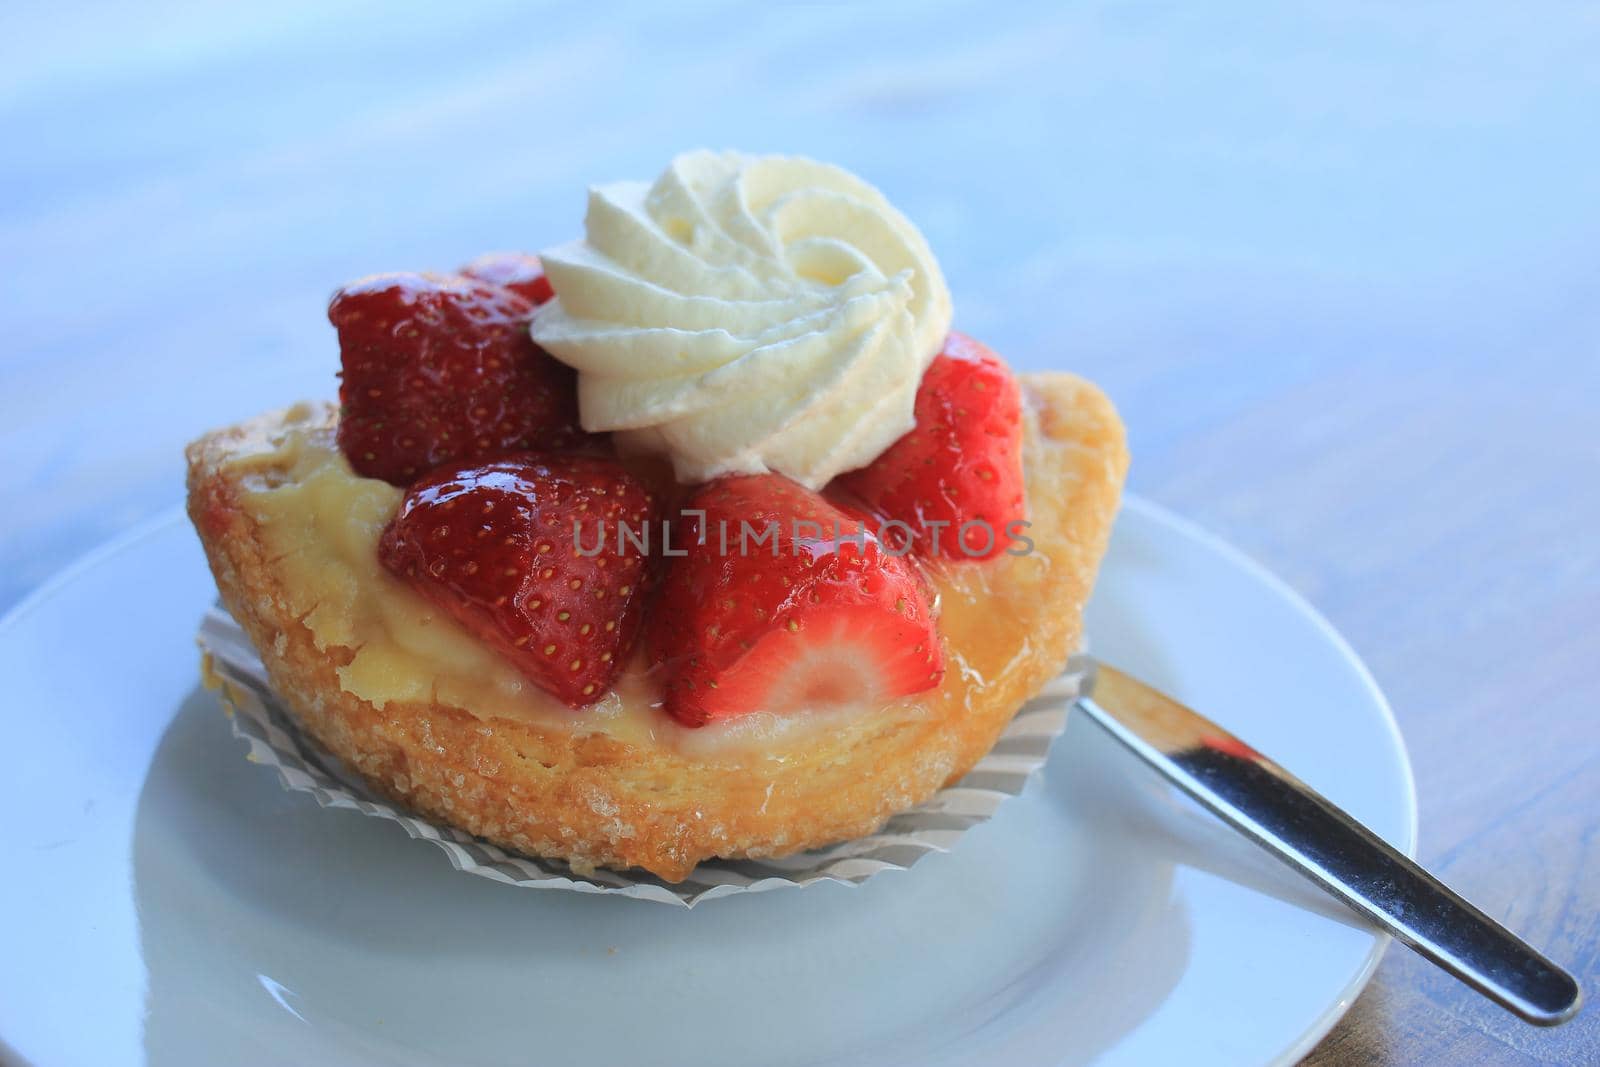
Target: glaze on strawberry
x=493 y=545
x=962 y=463
x=521 y=273
x=819 y=614
x=439 y=369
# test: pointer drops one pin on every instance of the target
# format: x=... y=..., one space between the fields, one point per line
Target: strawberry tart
x=701 y=536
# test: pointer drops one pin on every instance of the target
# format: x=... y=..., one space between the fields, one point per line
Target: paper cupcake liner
x=304 y=766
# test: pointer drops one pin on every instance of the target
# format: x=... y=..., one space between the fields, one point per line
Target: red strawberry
x=961 y=463
x=521 y=273
x=494 y=546
x=439 y=369
x=804 y=618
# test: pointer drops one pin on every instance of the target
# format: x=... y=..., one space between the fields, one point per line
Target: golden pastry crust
x=598 y=801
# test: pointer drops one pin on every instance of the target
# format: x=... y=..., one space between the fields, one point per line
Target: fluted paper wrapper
x=303 y=765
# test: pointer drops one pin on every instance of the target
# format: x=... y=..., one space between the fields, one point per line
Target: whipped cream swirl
x=746 y=314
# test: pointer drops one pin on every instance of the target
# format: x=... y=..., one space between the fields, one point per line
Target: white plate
x=165 y=901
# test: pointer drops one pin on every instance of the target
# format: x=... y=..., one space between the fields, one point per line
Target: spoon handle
x=1292 y=821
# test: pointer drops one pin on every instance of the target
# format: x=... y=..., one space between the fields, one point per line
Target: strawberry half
x=439 y=369
x=962 y=462
x=816 y=613
x=493 y=545
x=521 y=273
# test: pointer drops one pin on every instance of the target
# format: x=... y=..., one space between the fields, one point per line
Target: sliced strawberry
x=493 y=545
x=817 y=613
x=439 y=369
x=962 y=462
x=521 y=273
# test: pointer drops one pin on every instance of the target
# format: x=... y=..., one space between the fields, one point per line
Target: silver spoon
x=1303 y=829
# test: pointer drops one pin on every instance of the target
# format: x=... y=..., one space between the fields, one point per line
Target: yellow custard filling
x=321 y=523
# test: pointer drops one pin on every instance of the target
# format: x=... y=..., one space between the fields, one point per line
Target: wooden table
x=1338 y=268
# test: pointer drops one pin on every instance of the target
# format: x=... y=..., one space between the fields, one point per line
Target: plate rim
x=1148 y=510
